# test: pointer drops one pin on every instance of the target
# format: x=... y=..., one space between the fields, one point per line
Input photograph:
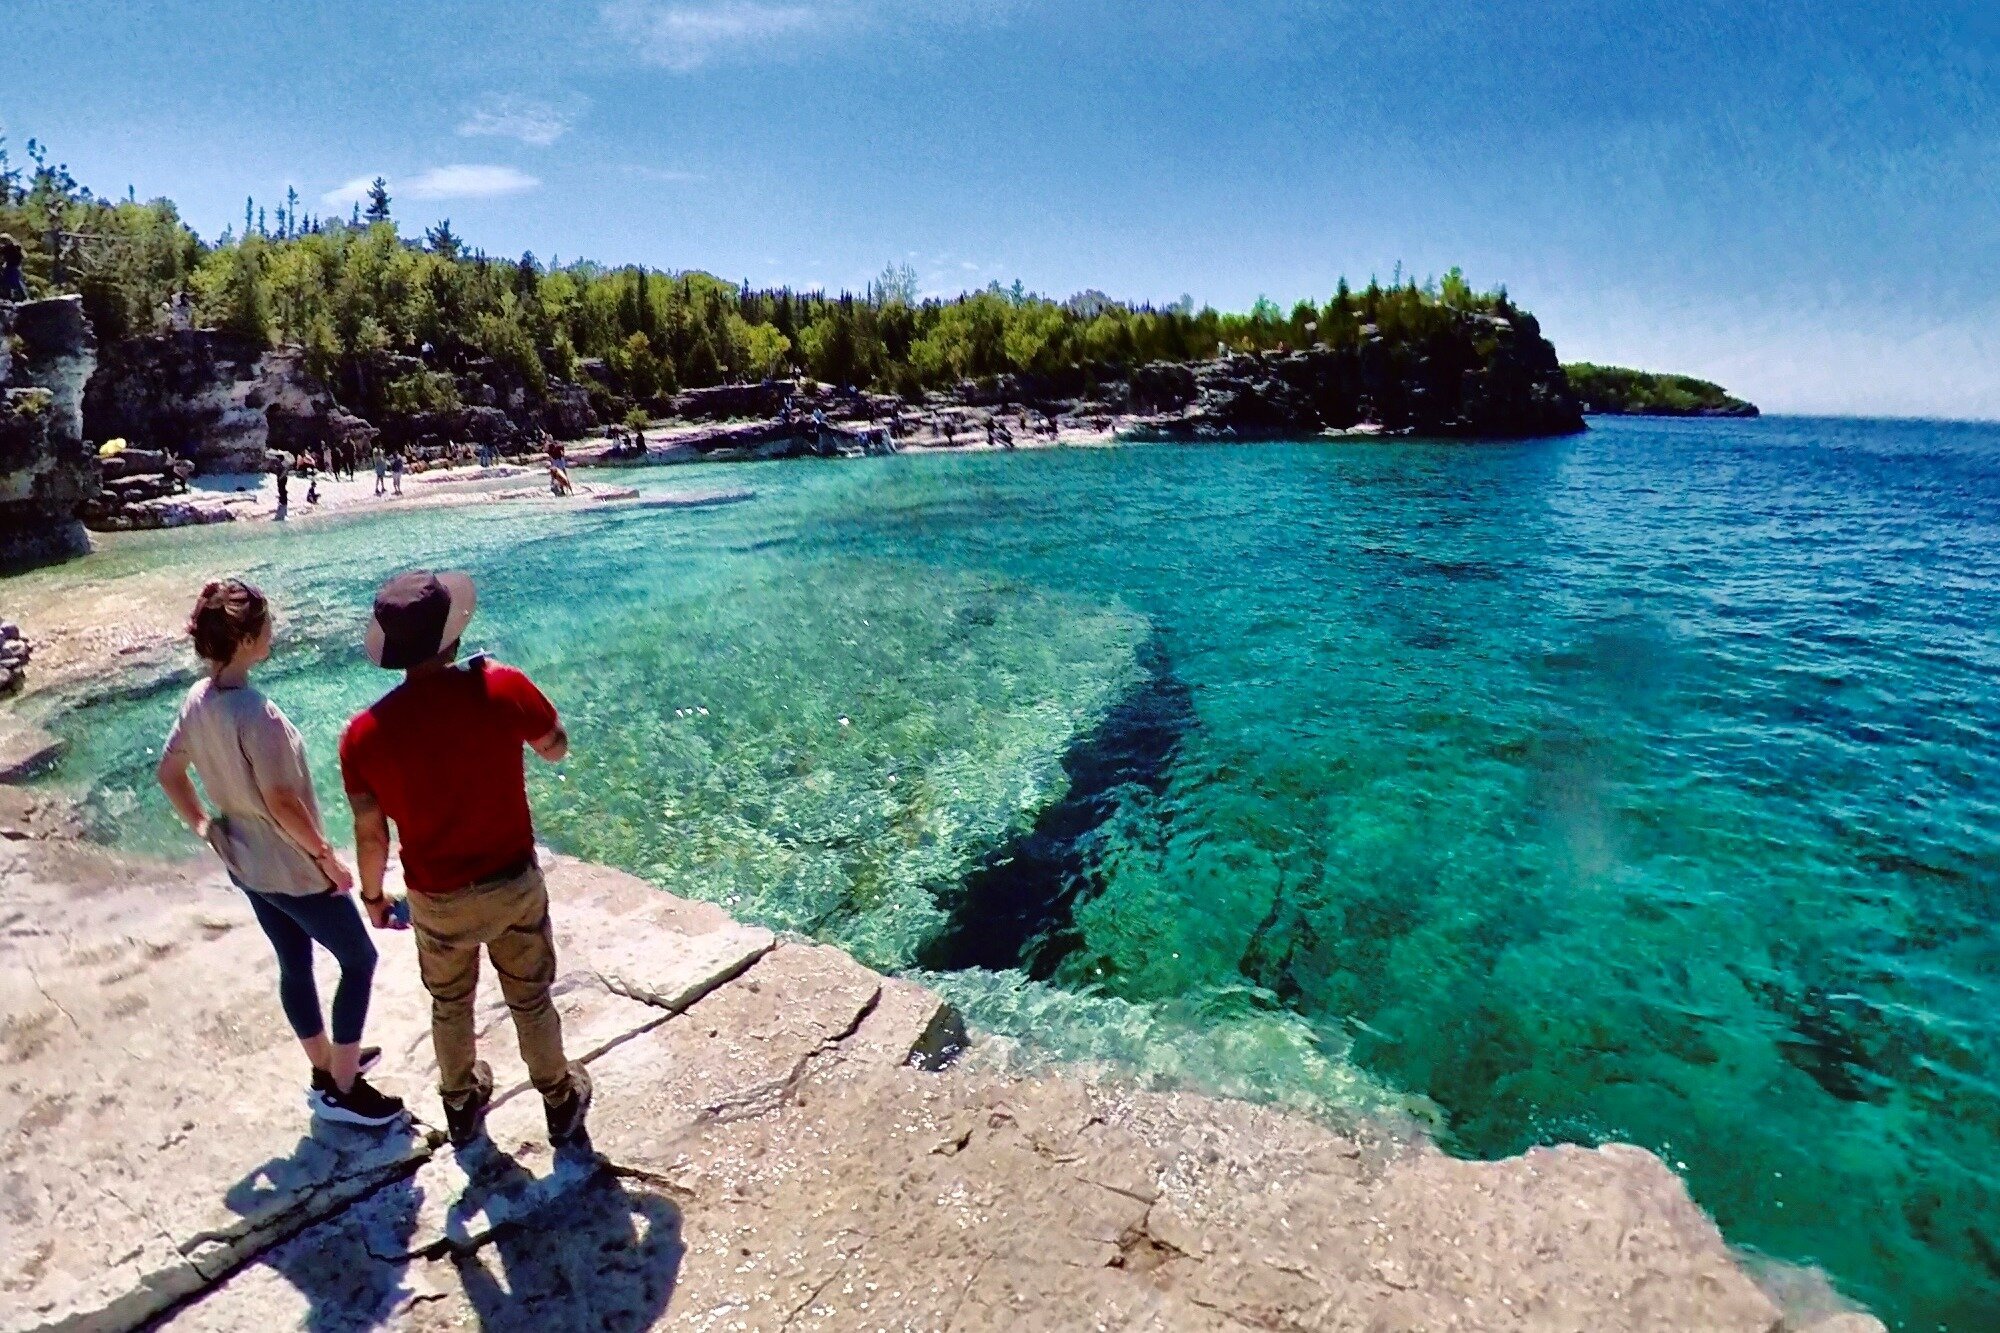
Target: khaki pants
x=510 y=918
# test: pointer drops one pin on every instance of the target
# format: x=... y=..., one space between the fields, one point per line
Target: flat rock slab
x=161 y=1131
x=465 y=1195
x=767 y=1150
x=26 y=751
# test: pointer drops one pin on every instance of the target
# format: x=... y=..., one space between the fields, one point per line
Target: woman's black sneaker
x=361 y=1104
x=566 y=1116
x=461 y=1123
x=370 y=1056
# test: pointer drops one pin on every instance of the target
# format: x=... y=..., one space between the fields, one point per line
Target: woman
x=267 y=831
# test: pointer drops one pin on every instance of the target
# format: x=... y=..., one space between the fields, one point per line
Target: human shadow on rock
x=600 y=1256
x=347 y=1267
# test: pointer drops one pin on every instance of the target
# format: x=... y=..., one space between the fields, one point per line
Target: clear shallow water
x=1640 y=786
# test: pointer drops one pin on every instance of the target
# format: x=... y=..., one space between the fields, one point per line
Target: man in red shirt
x=439 y=757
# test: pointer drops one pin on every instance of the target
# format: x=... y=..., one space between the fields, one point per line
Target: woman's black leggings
x=294 y=922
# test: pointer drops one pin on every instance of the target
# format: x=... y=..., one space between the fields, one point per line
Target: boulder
x=14 y=655
x=567 y=414
x=723 y=402
x=170 y=511
x=134 y=463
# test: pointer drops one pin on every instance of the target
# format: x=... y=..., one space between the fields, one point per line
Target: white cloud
x=524 y=118
x=468 y=182
x=458 y=181
x=354 y=192
x=687 y=34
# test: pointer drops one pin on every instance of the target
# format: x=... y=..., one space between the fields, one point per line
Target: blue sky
x=1801 y=200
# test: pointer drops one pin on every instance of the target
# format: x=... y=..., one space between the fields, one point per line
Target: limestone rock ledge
x=779 y=1141
x=47 y=471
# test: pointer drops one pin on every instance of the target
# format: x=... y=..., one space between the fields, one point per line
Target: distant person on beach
x=396 y=465
x=267 y=830
x=381 y=473
x=284 y=479
x=13 y=287
x=559 y=482
x=438 y=760
x=312 y=491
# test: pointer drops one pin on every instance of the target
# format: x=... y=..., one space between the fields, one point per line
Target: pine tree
x=378 y=201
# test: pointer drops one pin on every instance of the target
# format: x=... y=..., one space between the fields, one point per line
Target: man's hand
x=553 y=747
x=379 y=910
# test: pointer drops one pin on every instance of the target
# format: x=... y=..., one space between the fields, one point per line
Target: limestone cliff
x=47 y=471
x=215 y=399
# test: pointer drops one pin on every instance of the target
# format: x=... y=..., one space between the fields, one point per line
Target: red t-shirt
x=441 y=755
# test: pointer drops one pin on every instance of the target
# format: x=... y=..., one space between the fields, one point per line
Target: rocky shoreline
x=191 y=404
x=782 y=1139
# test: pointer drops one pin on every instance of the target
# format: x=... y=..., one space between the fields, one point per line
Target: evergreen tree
x=378 y=201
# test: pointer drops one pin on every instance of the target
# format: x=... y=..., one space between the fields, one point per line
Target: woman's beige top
x=240 y=745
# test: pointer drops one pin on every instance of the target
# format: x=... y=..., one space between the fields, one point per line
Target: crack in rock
x=763 y=1098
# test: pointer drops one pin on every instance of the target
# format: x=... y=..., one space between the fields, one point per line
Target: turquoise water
x=1639 y=786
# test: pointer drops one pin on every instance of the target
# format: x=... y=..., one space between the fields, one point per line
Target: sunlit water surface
x=1639 y=786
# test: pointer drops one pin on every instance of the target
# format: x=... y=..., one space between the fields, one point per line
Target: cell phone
x=399 y=912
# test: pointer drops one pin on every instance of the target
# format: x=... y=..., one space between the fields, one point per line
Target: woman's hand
x=335 y=869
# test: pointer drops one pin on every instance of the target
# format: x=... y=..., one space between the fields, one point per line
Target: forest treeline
x=1622 y=391
x=351 y=290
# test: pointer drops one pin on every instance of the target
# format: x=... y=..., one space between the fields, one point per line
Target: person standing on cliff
x=12 y=286
x=267 y=830
x=439 y=759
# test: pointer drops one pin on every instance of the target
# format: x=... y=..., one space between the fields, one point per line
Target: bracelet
x=378 y=898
